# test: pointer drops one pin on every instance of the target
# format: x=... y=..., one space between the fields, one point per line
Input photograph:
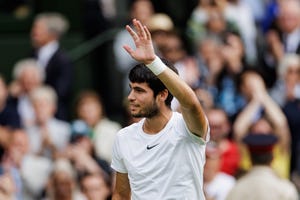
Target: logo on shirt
x=150 y=147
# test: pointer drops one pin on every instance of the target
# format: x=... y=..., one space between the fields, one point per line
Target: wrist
x=156 y=66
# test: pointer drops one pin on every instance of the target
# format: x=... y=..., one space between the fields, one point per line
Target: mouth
x=133 y=107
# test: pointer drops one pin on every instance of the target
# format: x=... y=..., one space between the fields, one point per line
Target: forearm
x=273 y=111
x=122 y=187
x=244 y=120
x=278 y=120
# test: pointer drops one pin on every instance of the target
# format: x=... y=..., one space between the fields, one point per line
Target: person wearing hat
x=262 y=182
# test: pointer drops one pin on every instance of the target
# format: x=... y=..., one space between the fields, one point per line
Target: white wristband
x=157 y=66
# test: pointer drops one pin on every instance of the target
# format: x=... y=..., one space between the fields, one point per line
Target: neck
x=155 y=124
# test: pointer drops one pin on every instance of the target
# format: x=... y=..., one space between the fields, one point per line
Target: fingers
x=128 y=49
x=132 y=33
x=140 y=29
x=148 y=34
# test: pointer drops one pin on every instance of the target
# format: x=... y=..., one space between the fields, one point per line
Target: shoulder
x=129 y=129
x=61 y=56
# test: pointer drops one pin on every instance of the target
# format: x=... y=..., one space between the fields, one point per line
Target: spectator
x=174 y=51
x=262 y=115
x=206 y=20
x=27 y=76
x=90 y=109
x=281 y=38
x=287 y=86
x=96 y=186
x=141 y=10
x=289 y=91
x=62 y=183
x=261 y=182
x=217 y=184
x=220 y=130
x=9 y=116
x=211 y=64
x=160 y=24
x=238 y=12
x=47 y=30
x=48 y=135
x=228 y=96
x=7 y=185
x=33 y=184
x=81 y=151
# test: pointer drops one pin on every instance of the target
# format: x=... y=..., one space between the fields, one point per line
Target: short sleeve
x=200 y=140
x=117 y=159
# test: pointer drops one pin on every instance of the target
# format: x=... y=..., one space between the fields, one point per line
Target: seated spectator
x=262 y=115
x=11 y=162
x=47 y=135
x=210 y=63
x=287 y=85
x=159 y=25
x=81 y=151
x=33 y=170
x=9 y=116
x=228 y=96
x=7 y=184
x=281 y=38
x=239 y=13
x=217 y=184
x=96 y=186
x=174 y=51
x=290 y=91
x=262 y=182
x=212 y=24
x=27 y=75
x=89 y=108
x=220 y=128
x=62 y=183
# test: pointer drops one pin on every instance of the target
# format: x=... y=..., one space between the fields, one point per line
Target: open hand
x=144 y=51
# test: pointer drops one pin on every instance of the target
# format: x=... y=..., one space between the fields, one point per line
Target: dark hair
x=106 y=177
x=141 y=74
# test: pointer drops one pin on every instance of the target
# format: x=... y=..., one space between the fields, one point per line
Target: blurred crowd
x=241 y=57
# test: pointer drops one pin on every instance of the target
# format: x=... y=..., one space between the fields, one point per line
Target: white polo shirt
x=164 y=166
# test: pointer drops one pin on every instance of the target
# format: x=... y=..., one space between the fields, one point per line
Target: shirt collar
x=46 y=52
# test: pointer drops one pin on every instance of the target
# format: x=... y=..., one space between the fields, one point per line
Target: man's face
x=40 y=34
x=141 y=101
x=30 y=79
x=219 y=126
x=288 y=18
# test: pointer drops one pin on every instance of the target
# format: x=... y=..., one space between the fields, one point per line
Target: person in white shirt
x=48 y=136
x=161 y=156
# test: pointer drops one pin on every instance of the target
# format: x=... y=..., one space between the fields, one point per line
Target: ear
x=162 y=96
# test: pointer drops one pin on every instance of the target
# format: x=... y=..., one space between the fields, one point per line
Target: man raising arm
x=161 y=156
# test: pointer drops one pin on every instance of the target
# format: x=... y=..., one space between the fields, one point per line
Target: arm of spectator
x=278 y=120
x=245 y=119
x=276 y=46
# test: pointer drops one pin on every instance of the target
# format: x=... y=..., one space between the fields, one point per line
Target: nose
x=130 y=96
